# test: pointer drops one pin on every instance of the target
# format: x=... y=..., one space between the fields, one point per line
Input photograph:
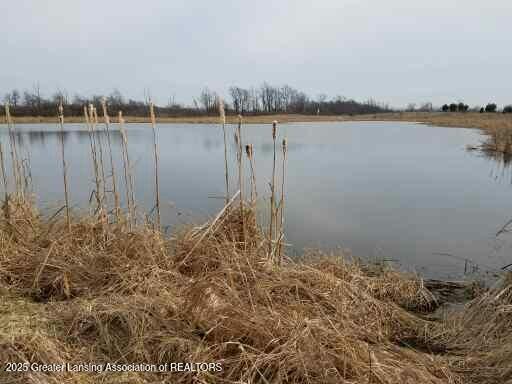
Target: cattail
x=4 y=180
x=127 y=173
x=88 y=122
x=240 y=175
x=112 y=168
x=222 y=112
x=100 y=144
x=64 y=166
x=2 y=167
x=223 y=122
x=273 y=222
x=281 y=203
x=157 y=187
x=249 y=150
x=16 y=172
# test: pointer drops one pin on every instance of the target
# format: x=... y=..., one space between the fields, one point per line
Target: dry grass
x=124 y=296
x=448 y=119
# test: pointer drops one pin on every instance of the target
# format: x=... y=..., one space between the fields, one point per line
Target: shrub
x=491 y=107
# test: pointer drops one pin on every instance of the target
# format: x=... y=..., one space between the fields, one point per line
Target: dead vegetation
x=115 y=295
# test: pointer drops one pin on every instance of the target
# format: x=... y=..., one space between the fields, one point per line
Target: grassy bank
x=97 y=292
x=444 y=119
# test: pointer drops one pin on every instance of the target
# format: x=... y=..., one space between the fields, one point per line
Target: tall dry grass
x=106 y=120
x=222 y=114
x=64 y=165
x=155 y=153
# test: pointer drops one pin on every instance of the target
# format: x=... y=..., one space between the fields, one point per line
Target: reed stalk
x=16 y=172
x=92 y=141
x=241 y=176
x=6 y=208
x=281 y=204
x=249 y=150
x=2 y=169
x=126 y=166
x=223 y=122
x=64 y=166
x=272 y=193
x=117 y=208
x=101 y=162
x=27 y=172
x=157 y=186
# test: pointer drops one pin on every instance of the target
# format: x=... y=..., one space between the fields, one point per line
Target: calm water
x=397 y=191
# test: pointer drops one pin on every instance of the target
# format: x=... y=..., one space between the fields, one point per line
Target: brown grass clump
x=483 y=333
x=131 y=297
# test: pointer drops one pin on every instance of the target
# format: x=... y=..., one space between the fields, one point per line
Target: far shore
x=444 y=119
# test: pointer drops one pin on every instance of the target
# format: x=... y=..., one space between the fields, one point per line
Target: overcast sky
x=396 y=51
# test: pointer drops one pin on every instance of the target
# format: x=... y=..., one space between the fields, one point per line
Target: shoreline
x=442 y=119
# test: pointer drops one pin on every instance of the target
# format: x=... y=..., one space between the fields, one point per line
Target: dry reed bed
x=109 y=294
x=105 y=295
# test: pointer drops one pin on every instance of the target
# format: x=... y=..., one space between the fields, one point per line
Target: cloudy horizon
x=396 y=53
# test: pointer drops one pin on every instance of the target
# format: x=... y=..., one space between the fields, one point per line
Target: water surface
x=385 y=190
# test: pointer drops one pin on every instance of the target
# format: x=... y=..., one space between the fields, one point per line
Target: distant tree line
x=461 y=107
x=455 y=107
x=265 y=99
x=285 y=99
x=33 y=103
x=268 y=99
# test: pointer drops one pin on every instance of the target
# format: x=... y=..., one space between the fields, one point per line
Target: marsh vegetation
x=108 y=285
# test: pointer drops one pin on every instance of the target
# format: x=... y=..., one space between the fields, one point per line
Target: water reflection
x=42 y=138
x=501 y=163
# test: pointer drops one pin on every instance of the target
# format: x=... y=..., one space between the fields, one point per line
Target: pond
x=402 y=192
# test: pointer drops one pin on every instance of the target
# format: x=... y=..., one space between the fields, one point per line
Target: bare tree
x=38 y=99
x=208 y=100
x=15 y=97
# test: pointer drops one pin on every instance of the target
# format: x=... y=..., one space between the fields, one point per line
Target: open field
x=445 y=119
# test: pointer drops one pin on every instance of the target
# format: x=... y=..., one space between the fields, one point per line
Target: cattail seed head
x=222 y=112
x=95 y=114
x=248 y=150
x=152 y=113
x=274 y=129
x=236 y=138
x=120 y=116
x=104 y=106
x=61 y=112
x=284 y=146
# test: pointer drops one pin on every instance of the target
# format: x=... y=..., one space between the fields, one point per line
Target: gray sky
x=396 y=51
